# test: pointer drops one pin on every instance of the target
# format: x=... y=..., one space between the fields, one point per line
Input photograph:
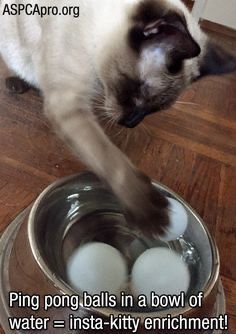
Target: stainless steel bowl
x=79 y=209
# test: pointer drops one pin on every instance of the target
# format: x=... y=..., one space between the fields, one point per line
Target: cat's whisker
x=118 y=133
x=100 y=97
x=105 y=110
x=127 y=139
x=110 y=122
x=187 y=103
x=105 y=119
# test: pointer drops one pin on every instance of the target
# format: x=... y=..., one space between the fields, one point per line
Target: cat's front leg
x=146 y=208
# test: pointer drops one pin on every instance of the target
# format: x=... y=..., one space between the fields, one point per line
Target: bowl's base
x=6 y=244
x=220 y=307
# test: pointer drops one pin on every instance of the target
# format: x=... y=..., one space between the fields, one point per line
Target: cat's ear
x=168 y=32
x=172 y=36
x=216 y=61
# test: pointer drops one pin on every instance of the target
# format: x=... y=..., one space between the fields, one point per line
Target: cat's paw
x=16 y=85
x=148 y=210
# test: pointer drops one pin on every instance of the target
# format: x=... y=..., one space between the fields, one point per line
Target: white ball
x=178 y=221
x=97 y=267
x=159 y=270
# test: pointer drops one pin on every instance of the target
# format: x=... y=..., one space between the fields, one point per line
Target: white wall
x=221 y=11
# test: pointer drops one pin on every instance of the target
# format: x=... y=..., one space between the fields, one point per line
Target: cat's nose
x=133 y=118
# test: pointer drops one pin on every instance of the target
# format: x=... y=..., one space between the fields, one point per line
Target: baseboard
x=218 y=28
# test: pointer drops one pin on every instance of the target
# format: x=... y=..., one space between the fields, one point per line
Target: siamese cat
x=139 y=53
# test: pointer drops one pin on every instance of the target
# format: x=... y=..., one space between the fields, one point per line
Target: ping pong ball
x=97 y=267
x=159 y=270
x=178 y=221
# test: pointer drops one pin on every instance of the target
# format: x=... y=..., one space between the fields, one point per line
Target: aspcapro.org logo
x=41 y=11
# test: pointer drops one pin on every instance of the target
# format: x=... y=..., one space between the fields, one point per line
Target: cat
x=140 y=54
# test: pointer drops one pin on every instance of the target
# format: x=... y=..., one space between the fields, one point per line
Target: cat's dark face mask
x=139 y=99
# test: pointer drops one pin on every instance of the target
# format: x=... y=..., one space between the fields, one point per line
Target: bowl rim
x=64 y=289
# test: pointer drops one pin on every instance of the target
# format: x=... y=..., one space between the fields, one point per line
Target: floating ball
x=97 y=267
x=159 y=270
x=178 y=221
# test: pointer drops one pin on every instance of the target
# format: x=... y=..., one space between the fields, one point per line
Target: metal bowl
x=80 y=209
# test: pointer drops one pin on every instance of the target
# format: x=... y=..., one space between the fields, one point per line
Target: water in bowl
x=83 y=212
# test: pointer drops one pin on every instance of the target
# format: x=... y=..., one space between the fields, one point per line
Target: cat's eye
x=148 y=33
x=154 y=28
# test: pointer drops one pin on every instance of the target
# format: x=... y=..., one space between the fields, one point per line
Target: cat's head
x=154 y=55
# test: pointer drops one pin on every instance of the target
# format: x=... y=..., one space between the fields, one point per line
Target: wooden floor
x=191 y=149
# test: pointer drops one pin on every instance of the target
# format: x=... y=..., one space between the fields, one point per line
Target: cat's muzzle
x=132 y=119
